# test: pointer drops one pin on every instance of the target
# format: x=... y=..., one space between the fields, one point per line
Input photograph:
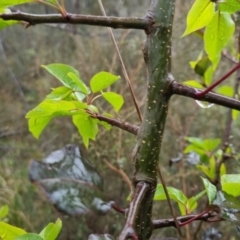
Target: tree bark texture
x=157 y=54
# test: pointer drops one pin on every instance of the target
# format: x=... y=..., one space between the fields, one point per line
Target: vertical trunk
x=157 y=54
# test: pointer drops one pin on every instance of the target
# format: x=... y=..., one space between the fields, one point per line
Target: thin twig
x=120 y=172
x=122 y=64
x=169 y=201
x=116 y=122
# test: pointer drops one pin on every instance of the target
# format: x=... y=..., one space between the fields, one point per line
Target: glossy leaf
x=87 y=127
x=114 y=99
x=102 y=80
x=9 y=232
x=226 y=91
x=223 y=169
x=4 y=211
x=230 y=6
x=37 y=124
x=211 y=190
x=231 y=184
x=82 y=86
x=60 y=93
x=229 y=207
x=202 y=66
x=199 y=15
x=208 y=76
x=51 y=231
x=192 y=202
x=174 y=194
x=71 y=182
x=7 y=3
x=217 y=34
x=193 y=83
x=61 y=72
x=29 y=236
x=41 y=115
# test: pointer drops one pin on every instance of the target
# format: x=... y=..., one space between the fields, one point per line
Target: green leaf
x=29 y=236
x=51 y=231
x=56 y=108
x=105 y=125
x=194 y=63
x=223 y=169
x=7 y=3
x=192 y=202
x=4 y=24
x=230 y=6
x=87 y=127
x=4 y=211
x=41 y=115
x=61 y=72
x=202 y=66
x=208 y=76
x=199 y=15
x=211 y=189
x=82 y=86
x=193 y=83
x=205 y=170
x=235 y=114
x=37 y=124
x=217 y=34
x=211 y=144
x=174 y=194
x=9 y=232
x=114 y=99
x=225 y=90
x=102 y=80
x=60 y=93
x=231 y=184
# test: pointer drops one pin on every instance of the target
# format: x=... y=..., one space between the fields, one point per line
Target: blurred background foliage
x=89 y=49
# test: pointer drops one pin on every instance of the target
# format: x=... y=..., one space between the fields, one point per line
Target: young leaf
x=37 y=124
x=230 y=6
x=231 y=184
x=7 y=3
x=211 y=190
x=60 y=93
x=225 y=90
x=208 y=76
x=211 y=144
x=102 y=80
x=202 y=66
x=193 y=83
x=8 y=231
x=192 y=202
x=217 y=34
x=61 y=72
x=82 y=86
x=29 y=236
x=114 y=99
x=86 y=126
x=199 y=15
x=174 y=194
x=51 y=231
x=4 y=211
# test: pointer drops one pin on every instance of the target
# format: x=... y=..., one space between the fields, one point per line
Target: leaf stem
x=207 y=90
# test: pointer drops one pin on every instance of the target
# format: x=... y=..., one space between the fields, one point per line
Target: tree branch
x=113 y=22
x=116 y=122
x=162 y=223
x=180 y=89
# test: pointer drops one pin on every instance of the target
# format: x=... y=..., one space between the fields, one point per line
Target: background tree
x=145 y=175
